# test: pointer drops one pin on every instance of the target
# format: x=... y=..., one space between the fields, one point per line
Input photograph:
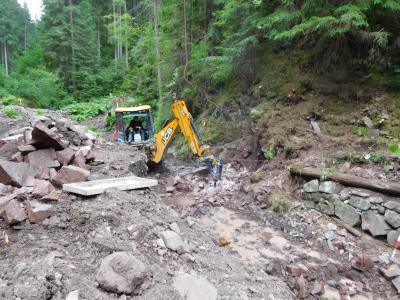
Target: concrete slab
x=96 y=187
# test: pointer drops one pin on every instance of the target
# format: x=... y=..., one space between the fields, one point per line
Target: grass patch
x=280 y=203
x=11 y=100
x=12 y=112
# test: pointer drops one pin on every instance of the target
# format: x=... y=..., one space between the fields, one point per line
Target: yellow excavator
x=135 y=127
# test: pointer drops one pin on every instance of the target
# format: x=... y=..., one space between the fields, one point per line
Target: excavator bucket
x=215 y=167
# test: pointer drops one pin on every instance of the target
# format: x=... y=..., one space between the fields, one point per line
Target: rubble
x=121 y=273
x=38 y=212
x=391 y=272
x=374 y=223
x=70 y=174
x=65 y=156
x=42 y=188
x=14 y=173
x=173 y=241
x=13 y=213
x=43 y=137
x=194 y=287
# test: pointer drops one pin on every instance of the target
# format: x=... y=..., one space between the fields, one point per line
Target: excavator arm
x=184 y=122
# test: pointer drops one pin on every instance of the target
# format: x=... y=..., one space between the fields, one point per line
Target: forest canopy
x=154 y=50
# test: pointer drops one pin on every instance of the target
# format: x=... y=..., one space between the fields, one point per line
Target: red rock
x=298 y=269
x=29 y=181
x=45 y=158
x=38 y=212
x=42 y=188
x=362 y=262
x=91 y=156
x=17 y=157
x=52 y=196
x=14 y=173
x=24 y=149
x=43 y=137
x=13 y=213
x=8 y=147
x=52 y=173
x=4 y=189
x=65 y=156
x=391 y=272
x=42 y=173
x=79 y=160
x=70 y=174
x=301 y=287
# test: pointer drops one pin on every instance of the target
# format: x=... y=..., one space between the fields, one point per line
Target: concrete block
x=97 y=187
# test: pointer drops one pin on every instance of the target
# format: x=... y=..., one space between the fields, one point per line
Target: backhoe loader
x=135 y=127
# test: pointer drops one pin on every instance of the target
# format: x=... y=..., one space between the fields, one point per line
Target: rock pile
x=355 y=207
x=36 y=160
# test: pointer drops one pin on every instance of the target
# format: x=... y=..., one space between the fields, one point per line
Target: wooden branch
x=390 y=188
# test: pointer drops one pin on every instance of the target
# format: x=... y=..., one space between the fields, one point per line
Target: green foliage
x=82 y=111
x=361 y=131
x=12 y=112
x=11 y=100
x=39 y=87
x=279 y=203
x=270 y=153
x=111 y=121
x=395 y=149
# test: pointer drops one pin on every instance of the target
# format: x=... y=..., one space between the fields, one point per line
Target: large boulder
x=192 y=287
x=38 y=212
x=347 y=213
x=45 y=158
x=13 y=173
x=70 y=174
x=374 y=223
x=121 y=273
x=43 y=137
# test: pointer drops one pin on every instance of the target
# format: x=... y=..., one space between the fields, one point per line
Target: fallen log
x=389 y=188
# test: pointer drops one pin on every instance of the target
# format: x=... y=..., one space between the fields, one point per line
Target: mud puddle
x=252 y=240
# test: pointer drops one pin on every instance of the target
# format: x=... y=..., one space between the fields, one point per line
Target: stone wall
x=375 y=213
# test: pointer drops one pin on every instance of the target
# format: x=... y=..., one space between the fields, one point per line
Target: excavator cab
x=134 y=125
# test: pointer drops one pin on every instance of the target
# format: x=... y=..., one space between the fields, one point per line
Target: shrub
x=11 y=100
x=12 y=112
x=82 y=111
x=279 y=203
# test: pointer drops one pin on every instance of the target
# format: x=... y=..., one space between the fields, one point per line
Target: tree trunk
x=71 y=23
x=25 y=35
x=390 y=188
x=5 y=58
x=98 y=41
x=115 y=36
x=185 y=39
x=208 y=14
x=126 y=40
x=157 y=46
